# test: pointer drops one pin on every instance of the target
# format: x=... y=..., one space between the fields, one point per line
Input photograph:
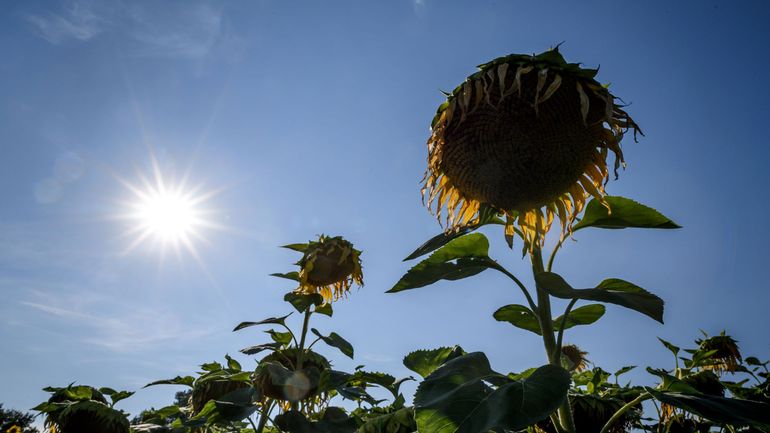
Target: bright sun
x=167 y=214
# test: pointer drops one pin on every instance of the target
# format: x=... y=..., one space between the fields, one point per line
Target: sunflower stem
x=301 y=352
x=624 y=409
x=564 y=325
x=546 y=326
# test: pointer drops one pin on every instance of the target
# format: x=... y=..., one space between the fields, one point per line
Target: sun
x=166 y=213
x=169 y=215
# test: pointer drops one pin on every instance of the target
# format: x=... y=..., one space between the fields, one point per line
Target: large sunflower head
x=726 y=357
x=528 y=136
x=329 y=266
x=301 y=384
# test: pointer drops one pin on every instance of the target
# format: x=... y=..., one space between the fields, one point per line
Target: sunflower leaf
x=457 y=397
x=424 y=362
x=486 y=216
x=253 y=350
x=584 y=315
x=179 y=380
x=293 y=275
x=723 y=410
x=296 y=247
x=613 y=291
x=518 y=316
x=624 y=213
x=460 y=258
x=335 y=340
x=271 y=321
x=303 y=302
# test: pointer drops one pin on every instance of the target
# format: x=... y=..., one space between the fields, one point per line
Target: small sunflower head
x=208 y=390
x=294 y=384
x=14 y=429
x=573 y=358
x=528 y=136
x=329 y=266
x=727 y=356
x=81 y=408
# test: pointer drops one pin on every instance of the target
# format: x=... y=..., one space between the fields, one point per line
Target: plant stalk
x=624 y=409
x=546 y=326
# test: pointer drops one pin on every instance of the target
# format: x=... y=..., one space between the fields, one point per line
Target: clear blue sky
x=311 y=117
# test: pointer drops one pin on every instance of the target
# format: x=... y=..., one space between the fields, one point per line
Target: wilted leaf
x=179 y=380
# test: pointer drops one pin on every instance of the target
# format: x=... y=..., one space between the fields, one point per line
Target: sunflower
x=726 y=357
x=329 y=266
x=574 y=359
x=527 y=136
x=14 y=429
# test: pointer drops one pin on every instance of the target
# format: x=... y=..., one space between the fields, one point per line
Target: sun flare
x=167 y=214
x=170 y=215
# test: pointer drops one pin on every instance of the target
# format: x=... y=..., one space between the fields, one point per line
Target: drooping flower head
x=78 y=409
x=527 y=136
x=574 y=358
x=726 y=357
x=329 y=266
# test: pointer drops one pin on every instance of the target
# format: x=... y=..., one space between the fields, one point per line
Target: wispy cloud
x=419 y=5
x=190 y=29
x=76 y=22
x=120 y=330
x=193 y=31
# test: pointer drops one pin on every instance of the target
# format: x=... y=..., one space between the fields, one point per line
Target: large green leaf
x=460 y=258
x=722 y=410
x=624 y=213
x=424 y=362
x=272 y=320
x=486 y=216
x=456 y=398
x=585 y=315
x=522 y=317
x=613 y=291
x=302 y=302
x=518 y=316
x=335 y=340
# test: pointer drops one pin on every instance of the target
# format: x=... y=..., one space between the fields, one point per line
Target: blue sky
x=311 y=117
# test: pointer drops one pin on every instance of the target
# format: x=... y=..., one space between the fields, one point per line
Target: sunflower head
x=528 y=136
x=574 y=358
x=91 y=416
x=300 y=384
x=329 y=266
x=208 y=390
x=14 y=429
x=726 y=357
x=591 y=412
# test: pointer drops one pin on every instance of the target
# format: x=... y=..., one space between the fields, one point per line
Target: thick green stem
x=301 y=354
x=301 y=351
x=623 y=410
x=549 y=341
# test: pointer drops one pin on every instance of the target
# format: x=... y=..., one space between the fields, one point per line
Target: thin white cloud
x=76 y=22
x=419 y=5
x=194 y=31
x=120 y=330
